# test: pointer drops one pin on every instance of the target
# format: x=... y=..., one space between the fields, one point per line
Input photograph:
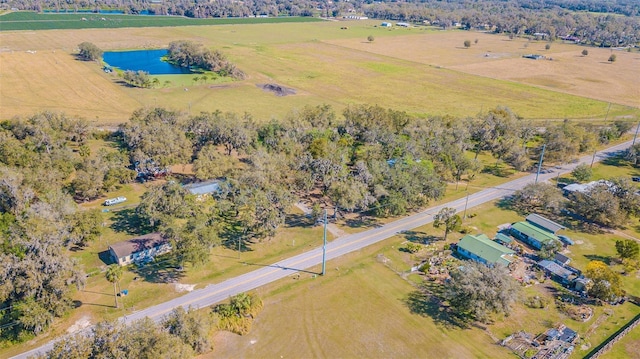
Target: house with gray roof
x=203 y=188
x=139 y=249
x=544 y=223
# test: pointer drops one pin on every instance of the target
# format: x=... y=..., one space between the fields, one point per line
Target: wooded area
x=370 y=160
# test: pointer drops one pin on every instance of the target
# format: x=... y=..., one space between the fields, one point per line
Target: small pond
x=145 y=60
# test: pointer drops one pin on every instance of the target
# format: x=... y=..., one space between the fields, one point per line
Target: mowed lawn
x=357 y=311
x=322 y=62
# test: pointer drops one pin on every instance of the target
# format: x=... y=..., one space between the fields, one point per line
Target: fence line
x=607 y=344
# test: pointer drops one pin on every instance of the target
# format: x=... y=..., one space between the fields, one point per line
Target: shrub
x=424 y=267
x=413 y=247
x=536 y=301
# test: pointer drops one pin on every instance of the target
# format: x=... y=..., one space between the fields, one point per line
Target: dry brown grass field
x=419 y=70
x=496 y=56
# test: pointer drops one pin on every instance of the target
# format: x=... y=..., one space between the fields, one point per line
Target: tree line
x=40 y=221
x=181 y=334
x=556 y=19
x=375 y=160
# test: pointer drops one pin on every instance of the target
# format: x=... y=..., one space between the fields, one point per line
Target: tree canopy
x=476 y=291
x=89 y=51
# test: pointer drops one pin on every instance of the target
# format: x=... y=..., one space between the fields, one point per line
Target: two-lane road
x=215 y=293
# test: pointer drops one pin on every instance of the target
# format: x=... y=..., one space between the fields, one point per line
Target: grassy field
x=375 y=321
x=50 y=21
x=419 y=70
x=359 y=310
x=498 y=57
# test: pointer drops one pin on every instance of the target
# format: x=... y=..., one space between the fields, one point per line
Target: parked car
x=635 y=179
x=112 y=201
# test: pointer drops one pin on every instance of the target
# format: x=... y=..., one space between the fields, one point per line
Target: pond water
x=145 y=60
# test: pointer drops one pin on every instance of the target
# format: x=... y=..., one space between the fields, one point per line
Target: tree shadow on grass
x=233 y=237
x=497 y=170
x=597 y=257
x=162 y=271
x=423 y=303
x=615 y=160
x=362 y=222
x=78 y=304
x=299 y=220
x=420 y=237
x=129 y=221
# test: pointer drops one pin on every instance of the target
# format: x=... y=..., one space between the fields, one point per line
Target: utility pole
x=593 y=159
x=466 y=202
x=636 y=135
x=324 y=244
x=540 y=163
x=607 y=115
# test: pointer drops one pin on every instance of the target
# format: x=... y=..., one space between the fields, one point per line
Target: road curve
x=215 y=293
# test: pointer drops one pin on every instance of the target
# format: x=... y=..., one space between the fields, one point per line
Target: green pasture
x=360 y=309
x=49 y=21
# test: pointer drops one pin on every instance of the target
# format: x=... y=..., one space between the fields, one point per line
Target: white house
x=139 y=249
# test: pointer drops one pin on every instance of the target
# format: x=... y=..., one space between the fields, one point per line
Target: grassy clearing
x=357 y=310
x=497 y=57
x=36 y=21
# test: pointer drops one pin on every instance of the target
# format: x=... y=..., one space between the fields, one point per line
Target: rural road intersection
x=215 y=293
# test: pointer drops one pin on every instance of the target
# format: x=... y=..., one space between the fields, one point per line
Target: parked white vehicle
x=112 y=201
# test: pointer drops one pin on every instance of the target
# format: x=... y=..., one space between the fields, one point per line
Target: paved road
x=215 y=293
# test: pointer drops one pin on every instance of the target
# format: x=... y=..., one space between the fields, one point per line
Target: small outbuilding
x=203 y=188
x=532 y=234
x=561 y=259
x=556 y=271
x=139 y=249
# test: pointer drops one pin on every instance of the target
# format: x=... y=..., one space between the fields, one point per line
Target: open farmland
x=321 y=61
x=38 y=21
x=496 y=56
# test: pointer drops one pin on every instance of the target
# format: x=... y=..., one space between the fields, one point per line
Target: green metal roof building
x=482 y=249
x=534 y=236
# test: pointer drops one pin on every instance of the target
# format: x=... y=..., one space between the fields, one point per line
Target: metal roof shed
x=544 y=223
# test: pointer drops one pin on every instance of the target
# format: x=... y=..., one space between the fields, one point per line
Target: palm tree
x=113 y=275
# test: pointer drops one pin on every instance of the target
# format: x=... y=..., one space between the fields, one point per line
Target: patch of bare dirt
x=278 y=90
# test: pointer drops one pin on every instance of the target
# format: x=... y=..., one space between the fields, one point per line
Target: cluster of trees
x=605 y=283
x=475 y=292
x=89 y=51
x=629 y=253
x=374 y=159
x=139 y=78
x=181 y=334
x=188 y=54
x=523 y=17
x=39 y=222
x=609 y=204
